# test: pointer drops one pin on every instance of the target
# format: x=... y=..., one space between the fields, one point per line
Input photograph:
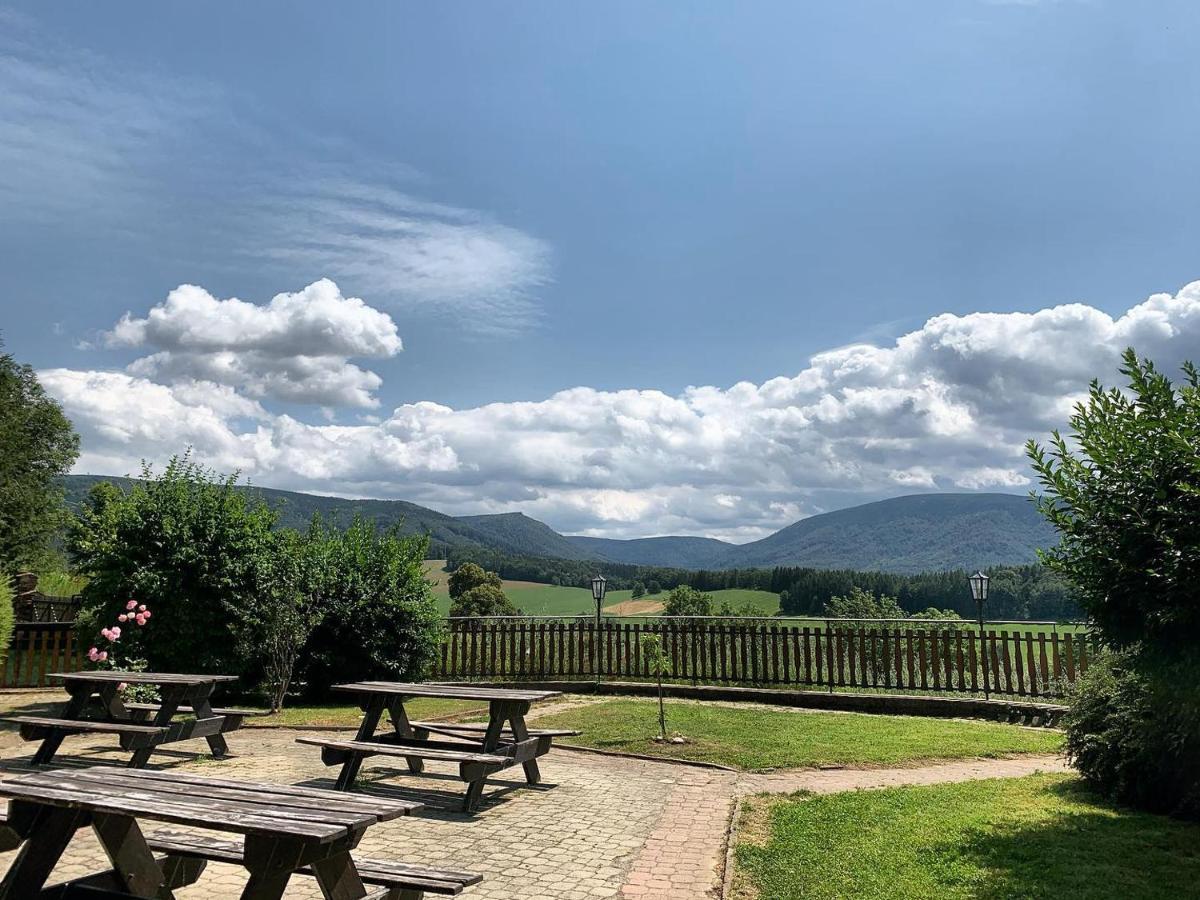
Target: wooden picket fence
x=1008 y=660
x=39 y=649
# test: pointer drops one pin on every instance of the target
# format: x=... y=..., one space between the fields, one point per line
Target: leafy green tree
x=37 y=443
x=653 y=587
x=482 y=600
x=381 y=620
x=468 y=576
x=687 y=601
x=1123 y=491
x=862 y=604
x=189 y=545
x=659 y=663
x=638 y=592
x=278 y=619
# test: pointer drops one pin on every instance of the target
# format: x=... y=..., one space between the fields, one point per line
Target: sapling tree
x=659 y=664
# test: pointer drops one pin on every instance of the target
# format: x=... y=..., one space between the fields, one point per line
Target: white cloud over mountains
x=295 y=348
x=947 y=406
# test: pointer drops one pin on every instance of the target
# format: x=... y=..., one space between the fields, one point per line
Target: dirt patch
x=635 y=608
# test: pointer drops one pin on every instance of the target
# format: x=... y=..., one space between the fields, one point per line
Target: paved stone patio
x=599 y=826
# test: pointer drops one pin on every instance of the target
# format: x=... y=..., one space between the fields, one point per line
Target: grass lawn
x=330 y=714
x=1040 y=836
x=756 y=738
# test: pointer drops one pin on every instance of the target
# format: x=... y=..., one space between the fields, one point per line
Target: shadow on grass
x=1093 y=851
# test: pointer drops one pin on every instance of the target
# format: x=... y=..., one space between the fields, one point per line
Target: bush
x=482 y=600
x=6 y=616
x=1133 y=730
x=187 y=544
x=468 y=576
x=381 y=620
x=687 y=601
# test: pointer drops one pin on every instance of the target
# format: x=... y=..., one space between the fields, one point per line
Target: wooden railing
x=1007 y=660
x=39 y=649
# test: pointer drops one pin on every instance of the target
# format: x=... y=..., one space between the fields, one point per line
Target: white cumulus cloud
x=295 y=348
x=947 y=406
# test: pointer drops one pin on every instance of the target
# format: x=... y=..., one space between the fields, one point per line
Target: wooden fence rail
x=1006 y=660
x=39 y=649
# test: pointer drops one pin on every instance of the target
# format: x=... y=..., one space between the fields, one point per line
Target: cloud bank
x=945 y=407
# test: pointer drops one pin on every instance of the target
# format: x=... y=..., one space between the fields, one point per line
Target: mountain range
x=915 y=533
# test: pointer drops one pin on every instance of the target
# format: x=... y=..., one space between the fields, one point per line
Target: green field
x=552 y=600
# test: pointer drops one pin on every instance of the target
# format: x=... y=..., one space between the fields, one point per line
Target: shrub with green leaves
x=189 y=545
x=381 y=619
x=1123 y=491
x=6 y=616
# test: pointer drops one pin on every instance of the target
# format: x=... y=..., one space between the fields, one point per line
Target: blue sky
x=619 y=196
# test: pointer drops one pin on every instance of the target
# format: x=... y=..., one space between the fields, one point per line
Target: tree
x=687 y=601
x=468 y=576
x=189 y=545
x=37 y=443
x=482 y=600
x=1123 y=491
x=659 y=664
x=381 y=620
x=861 y=604
x=279 y=619
x=638 y=592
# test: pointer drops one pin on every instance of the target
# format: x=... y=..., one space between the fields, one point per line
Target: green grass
x=350 y=715
x=1044 y=836
x=756 y=738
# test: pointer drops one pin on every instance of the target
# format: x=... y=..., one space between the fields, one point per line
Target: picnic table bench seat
x=401 y=881
x=35 y=728
x=472 y=728
x=216 y=711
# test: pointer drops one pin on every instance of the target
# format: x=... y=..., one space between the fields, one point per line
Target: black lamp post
x=598 y=588
x=979 y=593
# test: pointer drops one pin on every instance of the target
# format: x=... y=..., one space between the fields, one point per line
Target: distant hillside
x=528 y=536
x=296 y=511
x=669 y=552
x=918 y=533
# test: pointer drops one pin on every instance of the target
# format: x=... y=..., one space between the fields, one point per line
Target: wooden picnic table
x=480 y=750
x=140 y=726
x=287 y=830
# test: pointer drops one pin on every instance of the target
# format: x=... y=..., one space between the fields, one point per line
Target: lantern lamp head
x=979 y=587
x=598 y=587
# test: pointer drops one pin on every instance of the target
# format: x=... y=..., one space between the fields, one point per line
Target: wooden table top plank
x=383 y=808
x=448 y=692
x=248 y=801
x=260 y=811
x=150 y=806
x=108 y=676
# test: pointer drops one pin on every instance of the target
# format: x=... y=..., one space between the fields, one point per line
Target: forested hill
x=918 y=533
x=674 y=552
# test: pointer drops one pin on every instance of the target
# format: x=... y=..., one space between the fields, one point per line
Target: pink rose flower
x=93 y=654
x=141 y=620
x=122 y=618
x=142 y=608
x=146 y=614
x=115 y=631
x=132 y=604
x=122 y=686
x=102 y=655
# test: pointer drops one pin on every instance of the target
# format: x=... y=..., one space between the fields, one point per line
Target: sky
x=631 y=268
